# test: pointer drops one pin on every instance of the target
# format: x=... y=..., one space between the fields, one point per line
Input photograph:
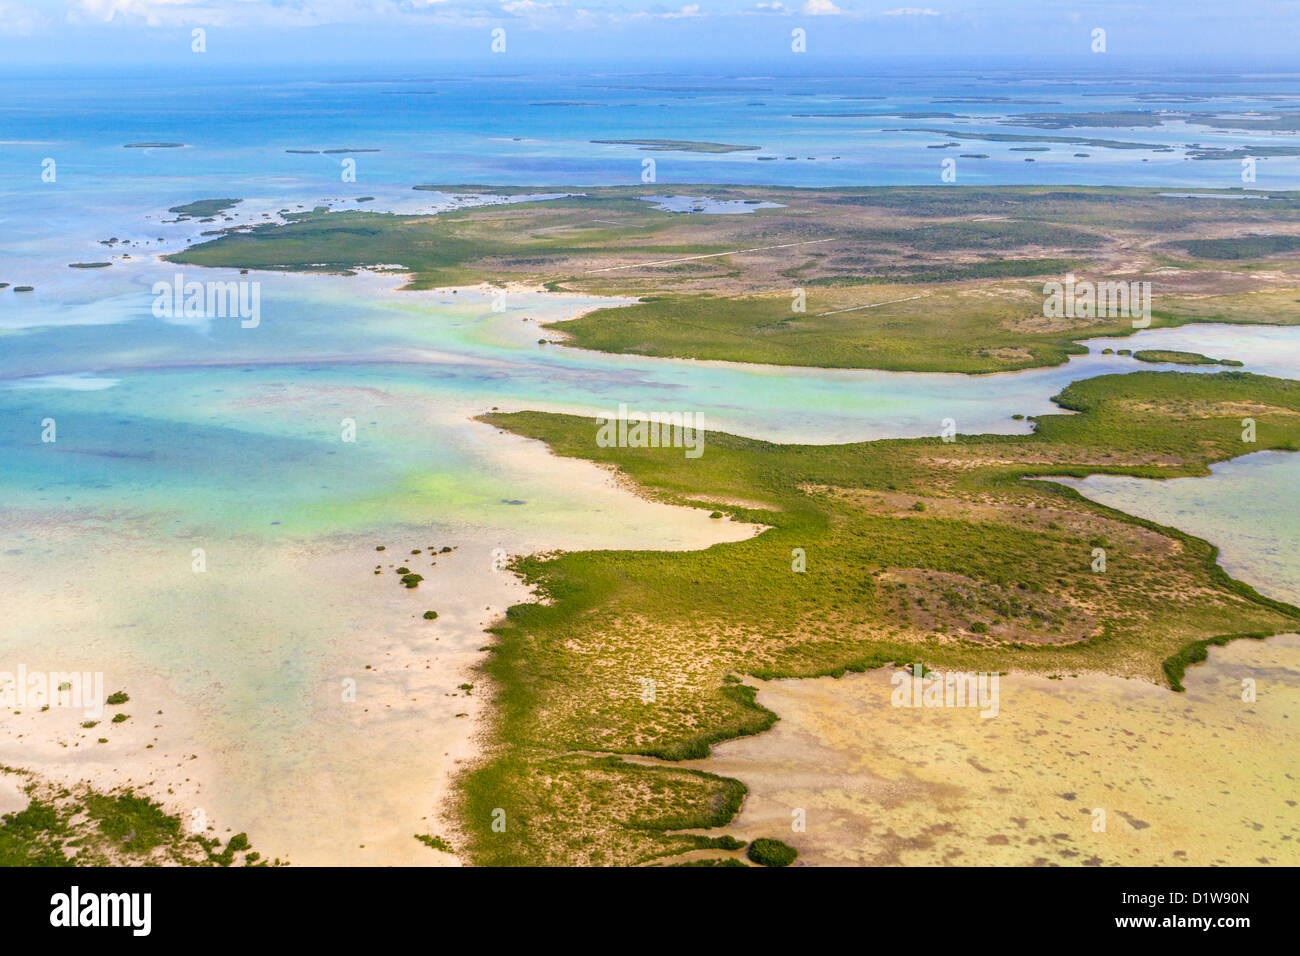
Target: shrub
x=767 y=852
x=434 y=842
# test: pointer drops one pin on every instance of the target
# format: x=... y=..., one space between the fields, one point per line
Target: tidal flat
x=1202 y=778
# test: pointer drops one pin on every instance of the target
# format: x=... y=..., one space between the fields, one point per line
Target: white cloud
x=525 y=7
x=17 y=20
x=289 y=13
x=821 y=8
x=911 y=12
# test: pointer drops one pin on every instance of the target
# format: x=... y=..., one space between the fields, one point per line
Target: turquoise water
x=245 y=425
x=539 y=130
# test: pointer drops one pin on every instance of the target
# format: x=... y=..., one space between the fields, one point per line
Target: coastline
x=409 y=741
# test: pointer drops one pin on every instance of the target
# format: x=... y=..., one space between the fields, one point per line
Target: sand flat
x=1200 y=778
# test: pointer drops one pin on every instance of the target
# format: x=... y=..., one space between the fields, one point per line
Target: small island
x=1174 y=357
x=677 y=145
x=205 y=208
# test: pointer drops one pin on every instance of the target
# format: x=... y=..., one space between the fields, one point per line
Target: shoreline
x=407 y=670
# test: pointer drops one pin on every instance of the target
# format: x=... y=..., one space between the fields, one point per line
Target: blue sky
x=69 y=32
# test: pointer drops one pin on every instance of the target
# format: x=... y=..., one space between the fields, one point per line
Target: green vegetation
x=724 y=842
x=89 y=265
x=716 y=861
x=204 y=208
x=897 y=278
x=767 y=852
x=412 y=580
x=1174 y=357
x=434 y=842
x=431 y=615
x=1241 y=247
x=993 y=574
x=117 y=698
x=137 y=823
x=82 y=827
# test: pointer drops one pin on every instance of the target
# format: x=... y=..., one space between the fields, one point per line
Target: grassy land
x=81 y=827
x=916 y=550
x=204 y=208
x=907 y=279
x=1242 y=247
x=1175 y=357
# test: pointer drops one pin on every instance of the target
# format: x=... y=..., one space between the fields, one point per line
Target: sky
x=72 y=33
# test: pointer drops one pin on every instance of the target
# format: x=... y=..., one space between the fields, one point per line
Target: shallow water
x=1200 y=778
x=1246 y=507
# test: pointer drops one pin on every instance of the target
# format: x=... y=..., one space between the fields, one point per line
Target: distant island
x=677 y=145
